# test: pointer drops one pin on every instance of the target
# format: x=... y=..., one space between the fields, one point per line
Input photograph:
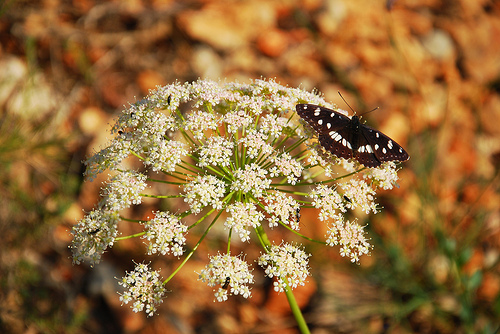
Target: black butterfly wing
x=332 y=128
x=379 y=147
x=322 y=119
x=364 y=153
x=348 y=138
x=335 y=141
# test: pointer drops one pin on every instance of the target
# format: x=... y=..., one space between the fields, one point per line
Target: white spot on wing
x=346 y=143
x=366 y=148
x=335 y=135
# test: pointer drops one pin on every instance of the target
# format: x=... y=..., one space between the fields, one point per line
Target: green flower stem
x=294 y=192
x=301 y=235
x=136 y=155
x=199 y=220
x=161 y=196
x=193 y=250
x=264 y=240
x=297 y=313
x=130 y=236
x=169 y=182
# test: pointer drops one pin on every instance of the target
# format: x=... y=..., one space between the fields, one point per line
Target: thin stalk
x=297 y=313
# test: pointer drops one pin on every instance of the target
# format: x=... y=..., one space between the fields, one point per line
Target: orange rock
x=272 y=43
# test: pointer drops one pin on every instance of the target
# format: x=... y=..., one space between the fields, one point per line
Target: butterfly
x=348 y=138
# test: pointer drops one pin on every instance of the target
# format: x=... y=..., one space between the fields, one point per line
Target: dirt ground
x=432 y=67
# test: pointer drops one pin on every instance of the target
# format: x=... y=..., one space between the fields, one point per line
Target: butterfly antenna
x=346 y=103
x=369 y=111
x=353 y=110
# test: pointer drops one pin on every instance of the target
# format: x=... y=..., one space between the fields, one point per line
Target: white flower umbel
x=93 y=234
x=231 y=274
x=144 y=288
x=228 y=154
x=288 y=263
x=203 y=191
x=243 y=216
x=165 y=234
x=282 y=209
x=350 y=236
x=123 y=190
x=358 y=193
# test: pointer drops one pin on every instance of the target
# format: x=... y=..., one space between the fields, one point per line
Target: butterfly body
x=348 y=138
